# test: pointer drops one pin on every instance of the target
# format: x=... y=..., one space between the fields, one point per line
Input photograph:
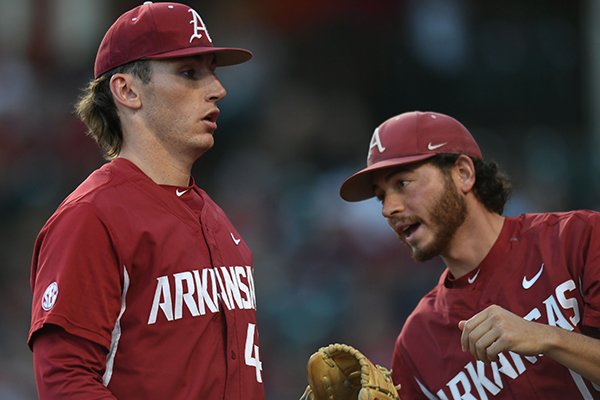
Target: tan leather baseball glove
x=340 y=372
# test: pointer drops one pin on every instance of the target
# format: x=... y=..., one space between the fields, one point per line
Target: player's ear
x=125 y=90
x=465 y=172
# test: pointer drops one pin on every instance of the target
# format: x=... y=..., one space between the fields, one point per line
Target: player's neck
x=161 y=163
x=163 y=171
x=473 y=240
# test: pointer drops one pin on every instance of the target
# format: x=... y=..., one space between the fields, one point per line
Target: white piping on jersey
x=581 y=386
x=116 y=333
x=426 y=392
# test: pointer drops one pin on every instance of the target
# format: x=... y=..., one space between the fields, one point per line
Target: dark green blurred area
x=521 y=75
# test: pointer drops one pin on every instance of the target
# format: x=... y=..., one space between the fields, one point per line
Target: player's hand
x=494 y=330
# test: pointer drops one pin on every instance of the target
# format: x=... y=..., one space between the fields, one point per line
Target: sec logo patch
x=49 y=297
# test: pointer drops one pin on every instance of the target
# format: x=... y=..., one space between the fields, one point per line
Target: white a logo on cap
x=375 y=142
x=198 y=26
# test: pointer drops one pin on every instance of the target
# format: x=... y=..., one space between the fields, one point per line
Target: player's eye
x=401 y=183
x=189 y=73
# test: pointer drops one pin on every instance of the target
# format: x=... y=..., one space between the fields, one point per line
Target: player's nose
x=217 y=91
x=393 y=204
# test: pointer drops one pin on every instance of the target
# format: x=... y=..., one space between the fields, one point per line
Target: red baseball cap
x=159 y=31
x=405 y=139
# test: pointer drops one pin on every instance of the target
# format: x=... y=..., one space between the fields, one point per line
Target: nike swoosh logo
x=527 y=283
x=431 y=146
x=236 y=241
x=180 y=193
x=472 y=279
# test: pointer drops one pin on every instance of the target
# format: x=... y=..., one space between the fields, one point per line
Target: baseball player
x=516 y=313
x=142 y=287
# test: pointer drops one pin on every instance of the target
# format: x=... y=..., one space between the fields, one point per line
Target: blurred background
x=522 y=75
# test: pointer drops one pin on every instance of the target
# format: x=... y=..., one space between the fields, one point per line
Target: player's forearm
x=578 y=352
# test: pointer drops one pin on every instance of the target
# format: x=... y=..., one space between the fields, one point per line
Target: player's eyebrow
x=390 y=174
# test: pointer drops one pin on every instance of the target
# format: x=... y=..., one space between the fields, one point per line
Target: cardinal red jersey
x=157 y=275
x=543 y=267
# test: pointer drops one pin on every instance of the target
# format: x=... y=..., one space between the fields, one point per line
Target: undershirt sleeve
x=68 y=367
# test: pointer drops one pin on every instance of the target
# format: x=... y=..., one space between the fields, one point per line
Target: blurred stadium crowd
x=296 y=122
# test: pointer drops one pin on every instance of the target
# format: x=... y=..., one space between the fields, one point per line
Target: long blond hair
x=96 y=108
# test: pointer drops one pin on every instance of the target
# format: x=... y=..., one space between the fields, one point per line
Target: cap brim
x=224 y=55
x=359 y=186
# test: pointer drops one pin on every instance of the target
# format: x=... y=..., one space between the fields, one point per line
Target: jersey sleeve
x=590 y=275
x=76 y=276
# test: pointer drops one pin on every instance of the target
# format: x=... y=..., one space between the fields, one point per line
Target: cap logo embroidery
x=375 y=142
x=432 y=147
x=198 y=26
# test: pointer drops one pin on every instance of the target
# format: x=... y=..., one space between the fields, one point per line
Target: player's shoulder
x=552 y=218
x=564 y=221
x=111 y=182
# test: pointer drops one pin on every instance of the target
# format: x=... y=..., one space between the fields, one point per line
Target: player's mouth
x=407 y=231
x=210 y=119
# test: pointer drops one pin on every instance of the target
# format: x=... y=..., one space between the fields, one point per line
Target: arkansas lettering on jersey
x=157 y=276
x=202 y=291
x=543 y=267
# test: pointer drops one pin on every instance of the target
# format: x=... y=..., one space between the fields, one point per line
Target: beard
x=446 y=215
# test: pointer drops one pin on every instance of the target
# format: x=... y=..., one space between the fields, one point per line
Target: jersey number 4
x=251 y=355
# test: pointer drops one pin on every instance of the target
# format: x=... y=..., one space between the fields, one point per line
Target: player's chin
x=423 y=251
x=205 y=140
x=423 y=254
x=202 y=144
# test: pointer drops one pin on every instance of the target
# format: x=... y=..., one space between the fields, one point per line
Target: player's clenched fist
x=495 y=330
